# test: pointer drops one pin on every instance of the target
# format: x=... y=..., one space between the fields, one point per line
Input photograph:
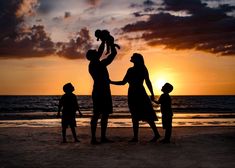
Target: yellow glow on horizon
x=191 y=73
x=159 y=83
x=158 y=79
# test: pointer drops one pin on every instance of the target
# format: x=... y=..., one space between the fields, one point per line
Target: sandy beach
x=209 y=147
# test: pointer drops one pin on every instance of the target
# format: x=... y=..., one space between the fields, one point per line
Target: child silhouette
x=166 y=110
x=105 y=36
x=68 y=104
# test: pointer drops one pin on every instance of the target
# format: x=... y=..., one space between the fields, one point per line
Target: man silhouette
x=101 y=94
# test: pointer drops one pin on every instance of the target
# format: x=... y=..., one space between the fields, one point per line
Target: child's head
x=68 y=88
x=98 y=34
x=167 y=88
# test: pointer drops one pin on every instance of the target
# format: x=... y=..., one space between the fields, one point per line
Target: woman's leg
x=135 y=125
x=94 y=120
x=155 y=131
x=104 y=124
x=74 y=134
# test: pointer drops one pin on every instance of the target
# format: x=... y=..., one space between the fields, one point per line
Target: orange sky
x=43 y=44
x=191 y=73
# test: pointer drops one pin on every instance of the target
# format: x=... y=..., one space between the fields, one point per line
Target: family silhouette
x=139 y=102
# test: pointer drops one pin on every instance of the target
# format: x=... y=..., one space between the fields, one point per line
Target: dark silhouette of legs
x=168 y=134
x=168 y=129
x=74 y=134
x=104 y=124
x=64 y=135
x=93 y=123
x=155 y=131
x=135 y=125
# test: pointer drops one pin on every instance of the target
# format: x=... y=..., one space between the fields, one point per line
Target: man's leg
x=168 y=134
x=93 y=123
x=74 y=134
x=104 y=124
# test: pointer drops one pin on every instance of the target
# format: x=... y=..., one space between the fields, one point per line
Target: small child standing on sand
x=166 y=110
x=68 y=104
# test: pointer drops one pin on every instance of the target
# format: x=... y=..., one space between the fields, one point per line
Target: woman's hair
x=138 y=59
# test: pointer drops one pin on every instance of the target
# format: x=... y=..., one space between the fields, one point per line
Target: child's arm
x=80 y=113
x=158 y=101
x=78 y=108
x=123 y=82
x=59 y=109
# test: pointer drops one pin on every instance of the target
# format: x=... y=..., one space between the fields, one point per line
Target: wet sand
x=194 y=147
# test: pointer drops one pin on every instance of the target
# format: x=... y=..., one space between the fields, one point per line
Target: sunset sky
x=189 y=43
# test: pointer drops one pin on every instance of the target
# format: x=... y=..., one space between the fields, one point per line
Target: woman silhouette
x=138 y=101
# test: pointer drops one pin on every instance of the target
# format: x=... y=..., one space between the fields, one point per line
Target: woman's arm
x=59 y=108
x=118 y=82
x=149 y=84
x=123 y=82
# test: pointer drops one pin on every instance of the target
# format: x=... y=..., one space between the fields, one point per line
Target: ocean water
x=188 y=111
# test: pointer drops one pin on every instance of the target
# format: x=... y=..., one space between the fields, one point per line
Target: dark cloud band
x=18 y=40
x=204 y=28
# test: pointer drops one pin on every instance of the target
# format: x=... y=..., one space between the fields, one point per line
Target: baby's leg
x=116 y=45
x=109 y=43
x=108 y=48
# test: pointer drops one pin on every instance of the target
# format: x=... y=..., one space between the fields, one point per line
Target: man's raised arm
x=111 y=56
x=101 y=49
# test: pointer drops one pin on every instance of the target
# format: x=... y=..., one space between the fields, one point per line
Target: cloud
x=26 y=7
x=31 y=42
x=46 y=6
x=205 y=28
x=76 y=48
x=18 y=40
x=8 y=19
x=67 y=15
x=93 y=2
